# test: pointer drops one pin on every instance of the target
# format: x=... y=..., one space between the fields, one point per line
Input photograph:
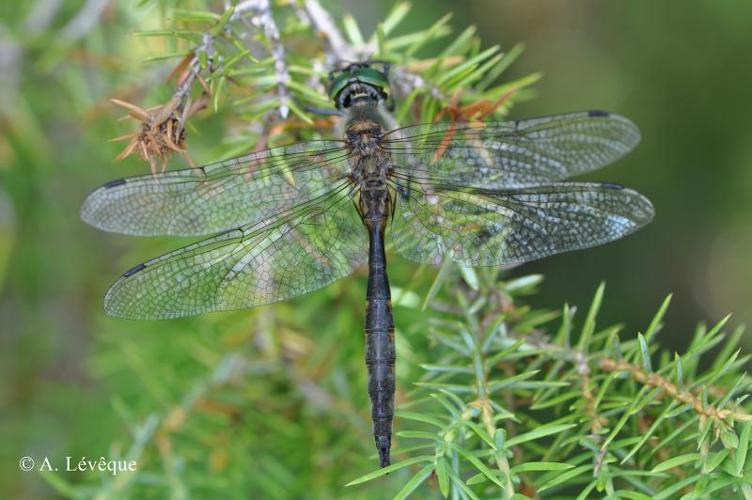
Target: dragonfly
x=292 y=219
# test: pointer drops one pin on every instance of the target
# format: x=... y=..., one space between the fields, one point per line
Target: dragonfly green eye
x=357 y=74
x=372 y=76
x=338 y=83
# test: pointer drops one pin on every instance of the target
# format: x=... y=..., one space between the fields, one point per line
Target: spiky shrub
x=504 y=400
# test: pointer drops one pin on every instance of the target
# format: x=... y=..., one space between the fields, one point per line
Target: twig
x=84 y=21
x=265 y=20
x=669 y=389
x=597 y=422
x=42 y=15
x=11 y=53
x=337 y=49
x=194 y=68
x=322 y=22
x=404 y=82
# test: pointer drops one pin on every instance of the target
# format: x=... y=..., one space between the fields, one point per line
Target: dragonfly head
x=357 y=82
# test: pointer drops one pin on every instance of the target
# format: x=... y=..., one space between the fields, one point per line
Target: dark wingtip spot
x=112 y=184
x=134 y=270
x=598 y=112
x=611 y=185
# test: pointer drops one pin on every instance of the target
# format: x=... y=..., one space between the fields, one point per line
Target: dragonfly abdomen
x=379 y=339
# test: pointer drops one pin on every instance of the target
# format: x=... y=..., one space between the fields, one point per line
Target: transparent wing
x=507 y=154
x=485 y=227
x=298 y=251
x=220 y=196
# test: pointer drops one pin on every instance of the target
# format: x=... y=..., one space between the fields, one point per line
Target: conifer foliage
x=497 y=399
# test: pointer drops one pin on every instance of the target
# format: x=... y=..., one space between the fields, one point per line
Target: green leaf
x=729 y=439
x=565 y=330
x=229 y=63
x=217 y=90
x=554 y=401
x=405 y=298
x=468 y=274
x=419 y=435
x=655 y=324
x=564 y=477
x=504 y=353
x=458 y=72
x=481 y=433
x=478 y=478
x=637 y=402
x=415 y=481
x=675 y=488
x=446 y=368
x=420 y=417
x=391 y=468
x=672 y=436
x=164 y=57
x=60 y=485
x=195 y=15
x=714 y=461
x=728 y=347
x=223 y=20
x=352 y=30
x=585 y=493
x=589 y=327
x=460 y=44
x=524 y=284
x=647 y=435
x=538 y=433
x=718 y=372
x=540 y=466
x=679 y=371
x=459 y=483
x=442 y=476
x=185 y=34
x=676 y=462
x=441 y=276
x=434 y=31
x=299 y=112
x=501 y=66
x=632 y=495
x=645 y=353
x=740 y=456
x=308 y=93
x=395 y=16
x=514 y=381
x=404 y=108
x=483 y=468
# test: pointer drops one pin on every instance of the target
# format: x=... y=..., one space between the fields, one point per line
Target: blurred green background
x=76 y=383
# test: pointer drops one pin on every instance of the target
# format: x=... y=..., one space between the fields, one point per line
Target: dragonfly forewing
x=298 y=251
x=218 y=197
x=508 y=154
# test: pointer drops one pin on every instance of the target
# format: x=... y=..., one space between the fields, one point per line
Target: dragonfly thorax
x=370 y=167
x=369 y=161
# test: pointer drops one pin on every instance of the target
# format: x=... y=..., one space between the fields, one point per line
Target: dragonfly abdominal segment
x=293 y=219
